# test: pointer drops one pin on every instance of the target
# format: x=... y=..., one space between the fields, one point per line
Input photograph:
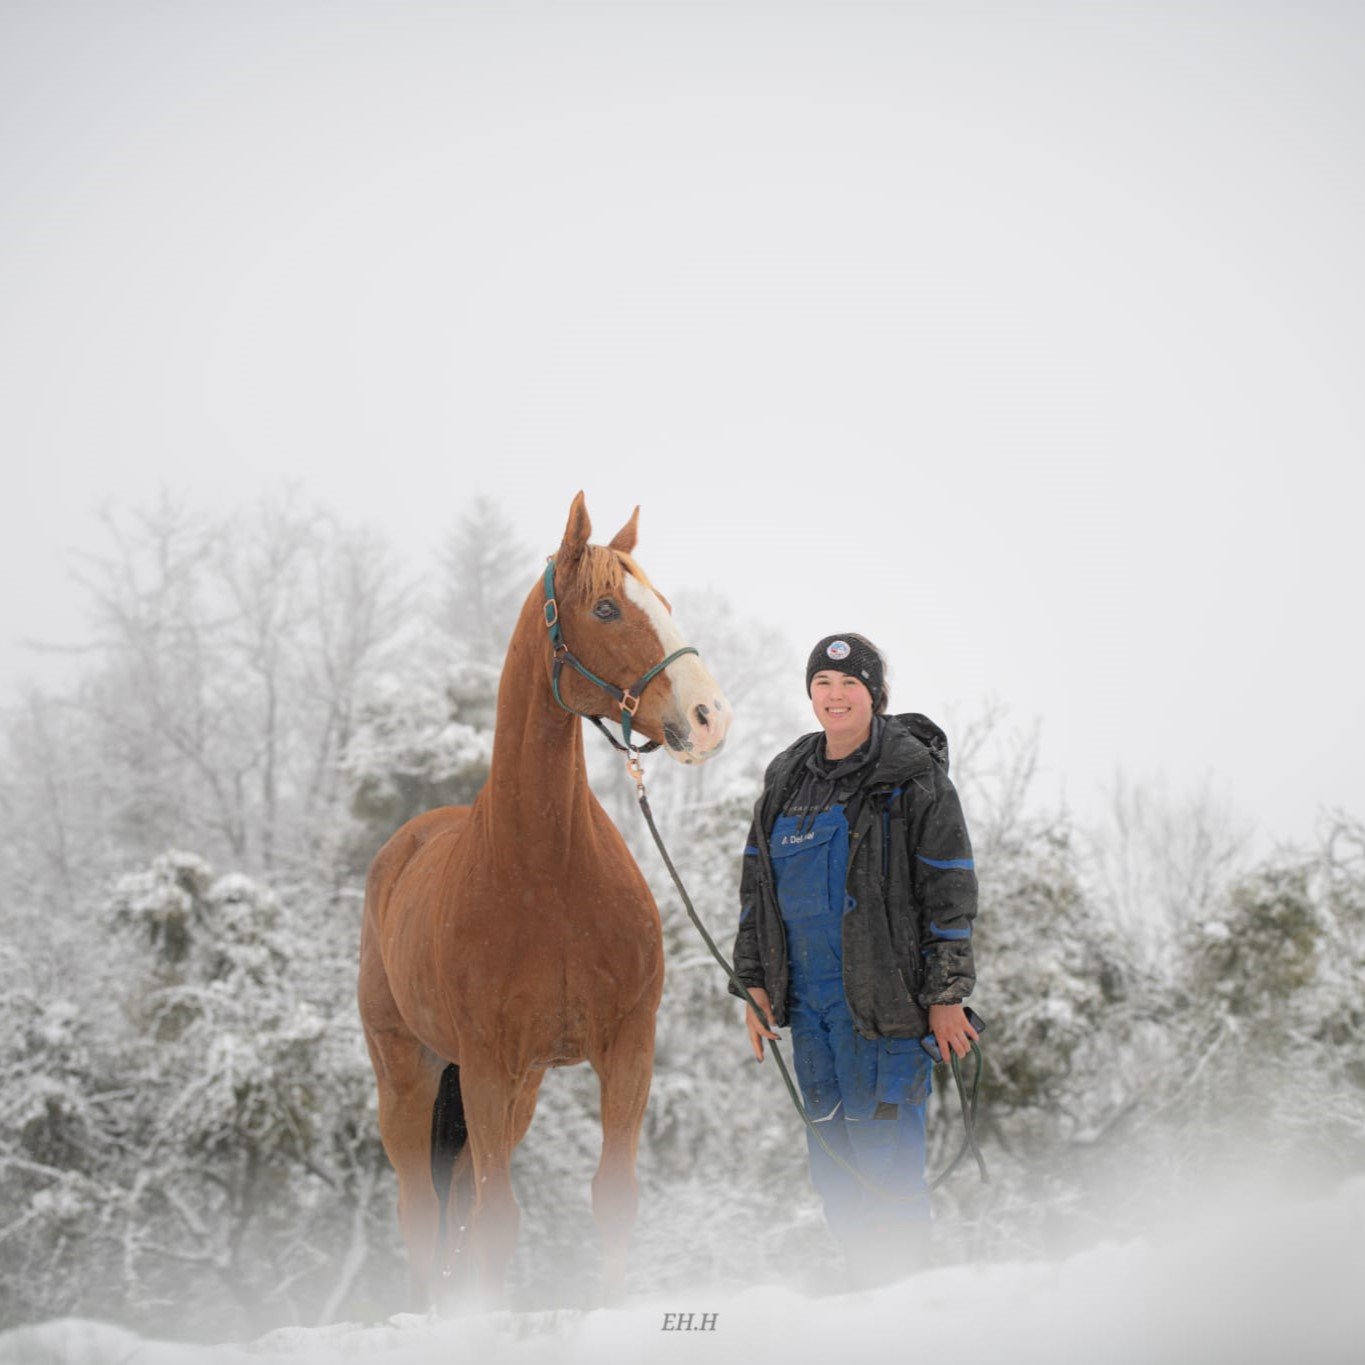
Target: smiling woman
x=856 y=900
x=840 y=695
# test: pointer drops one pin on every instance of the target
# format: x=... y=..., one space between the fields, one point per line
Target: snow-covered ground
x=1256 y=1282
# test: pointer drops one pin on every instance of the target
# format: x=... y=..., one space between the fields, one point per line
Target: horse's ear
x=576 y=533
x=624 y=539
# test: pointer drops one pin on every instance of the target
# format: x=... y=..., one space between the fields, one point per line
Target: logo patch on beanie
x=839 y=649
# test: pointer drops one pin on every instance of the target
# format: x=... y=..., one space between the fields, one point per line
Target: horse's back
x=403 y=845
x=421 y=829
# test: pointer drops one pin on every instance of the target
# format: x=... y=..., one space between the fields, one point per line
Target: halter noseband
x=628 y=699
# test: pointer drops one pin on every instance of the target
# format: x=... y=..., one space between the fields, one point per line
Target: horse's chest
x=583 y=922
x=597 y=930
x=556 y=961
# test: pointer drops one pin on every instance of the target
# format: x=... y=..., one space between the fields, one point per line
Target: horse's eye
x=606 y=610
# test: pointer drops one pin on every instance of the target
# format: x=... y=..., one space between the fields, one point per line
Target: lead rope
x=967 y=1101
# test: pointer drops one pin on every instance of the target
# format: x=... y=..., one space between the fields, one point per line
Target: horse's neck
x=538 y=780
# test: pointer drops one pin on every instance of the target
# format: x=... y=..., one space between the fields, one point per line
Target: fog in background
x=1025 y=339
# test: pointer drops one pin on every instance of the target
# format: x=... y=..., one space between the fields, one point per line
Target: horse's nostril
x=703 y=714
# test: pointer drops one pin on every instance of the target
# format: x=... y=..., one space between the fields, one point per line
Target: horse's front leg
x=624 y=1069
x=491 y=1098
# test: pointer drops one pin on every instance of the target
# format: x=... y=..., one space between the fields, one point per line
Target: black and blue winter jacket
x=911 y=885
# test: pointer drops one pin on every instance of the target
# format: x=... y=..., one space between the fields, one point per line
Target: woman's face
x=842 y=704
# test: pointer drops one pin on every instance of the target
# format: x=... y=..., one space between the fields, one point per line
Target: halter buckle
x=636 y=771
x=551 y=613
x=630 y=703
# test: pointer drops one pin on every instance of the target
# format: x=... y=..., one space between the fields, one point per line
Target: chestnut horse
x=518 y=933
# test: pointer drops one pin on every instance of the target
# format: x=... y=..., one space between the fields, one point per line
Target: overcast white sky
x=1027 y=339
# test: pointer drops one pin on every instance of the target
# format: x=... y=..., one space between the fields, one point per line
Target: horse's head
x=619 y=627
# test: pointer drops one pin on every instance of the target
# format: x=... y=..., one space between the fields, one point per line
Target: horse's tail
x=449 y=1133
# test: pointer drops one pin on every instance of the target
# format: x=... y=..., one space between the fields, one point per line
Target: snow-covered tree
x=251 y=1121
x=231 y=650
x=58 y=1153
x=485 y=575
x=1273 y=979
x=420 y=740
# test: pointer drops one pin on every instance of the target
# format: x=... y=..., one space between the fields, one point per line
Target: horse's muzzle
x=700 y=734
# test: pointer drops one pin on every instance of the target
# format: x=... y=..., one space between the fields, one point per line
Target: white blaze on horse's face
x=695 y=726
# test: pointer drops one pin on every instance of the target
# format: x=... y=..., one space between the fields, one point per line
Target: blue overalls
x=865 y=1095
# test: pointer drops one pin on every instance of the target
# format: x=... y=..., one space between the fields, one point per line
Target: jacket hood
x=910 y=744
x=928 y=733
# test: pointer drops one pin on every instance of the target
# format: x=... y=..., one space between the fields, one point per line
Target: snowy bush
x=419 y=743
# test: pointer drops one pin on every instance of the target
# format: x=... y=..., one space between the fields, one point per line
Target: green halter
x=628 y=700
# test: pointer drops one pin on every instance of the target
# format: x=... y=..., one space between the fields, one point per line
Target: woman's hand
x=948 y=1023
x=757 y=1031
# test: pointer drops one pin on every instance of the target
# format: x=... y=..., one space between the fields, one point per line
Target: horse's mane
x=602 y=571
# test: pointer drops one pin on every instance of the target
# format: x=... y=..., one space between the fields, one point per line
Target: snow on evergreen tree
x=421 y=740
x=218 y=1144
x=1273 y=979
x=57 y=1193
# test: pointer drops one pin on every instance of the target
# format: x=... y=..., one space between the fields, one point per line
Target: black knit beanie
x=851 y=654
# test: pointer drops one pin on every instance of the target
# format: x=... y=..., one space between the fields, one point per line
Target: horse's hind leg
x=525 y=1108
x=624 y=1071
x=408 y=1075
